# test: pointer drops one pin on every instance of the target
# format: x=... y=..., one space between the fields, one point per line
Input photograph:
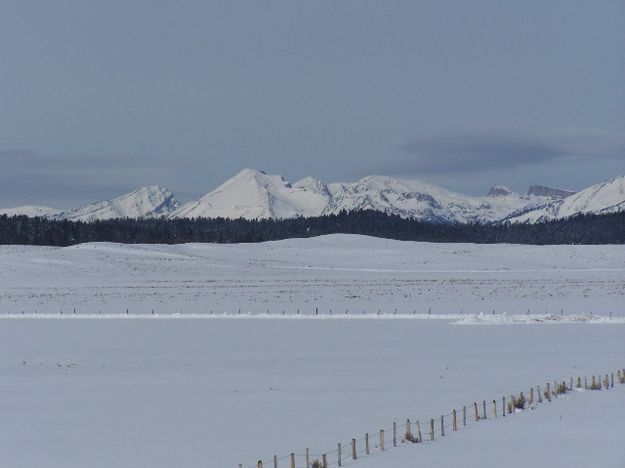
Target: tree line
x=581 y=229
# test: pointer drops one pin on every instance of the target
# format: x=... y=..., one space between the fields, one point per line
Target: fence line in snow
x=412 y=431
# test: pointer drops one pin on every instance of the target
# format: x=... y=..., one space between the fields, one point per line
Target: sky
x=100 y=97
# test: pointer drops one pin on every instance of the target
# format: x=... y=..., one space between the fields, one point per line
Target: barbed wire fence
x=430 y=430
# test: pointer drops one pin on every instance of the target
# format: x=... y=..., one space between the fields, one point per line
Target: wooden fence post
x=531 y=395
x=382 y=439
x=548 y=393
x=612 y=380
x=419 y=437
x=503 y=406
x=571 y=386
x=408 y=435
x=292 y=460
x=454 y=423
x=431 y=429
x=260 y=464
x=354 y=455
x=540 y=395
x=275 y=461
x=579 y=382
x=394 y=434
x=324 y=460
x=586 y=382
x=484 y=408
x=307 y=458
x=464 y=415
x=594 y=383
x=367 y=443
x=442 y=426
x=339 y=455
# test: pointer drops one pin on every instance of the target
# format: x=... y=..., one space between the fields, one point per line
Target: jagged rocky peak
x=543 y=191
x=497 y=191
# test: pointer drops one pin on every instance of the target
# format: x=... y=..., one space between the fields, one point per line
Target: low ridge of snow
x=30 y=210
x=605 y=197
x=145 y=202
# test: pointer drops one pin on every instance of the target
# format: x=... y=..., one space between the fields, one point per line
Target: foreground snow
x=216 y=393
x=338 y=273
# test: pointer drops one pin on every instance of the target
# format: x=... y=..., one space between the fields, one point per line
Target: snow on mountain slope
x=415 y=199
x=30 y=210
x=145 y=202
x=605 y=197
x=254 y=194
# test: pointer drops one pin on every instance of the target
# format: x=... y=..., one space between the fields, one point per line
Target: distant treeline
x=583 y=229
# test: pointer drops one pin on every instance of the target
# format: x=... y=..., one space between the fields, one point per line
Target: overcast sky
x=100 y=97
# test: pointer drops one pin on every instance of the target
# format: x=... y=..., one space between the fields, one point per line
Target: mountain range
x=253 y=194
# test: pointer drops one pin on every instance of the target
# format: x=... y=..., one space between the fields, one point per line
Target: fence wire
x=423 y=428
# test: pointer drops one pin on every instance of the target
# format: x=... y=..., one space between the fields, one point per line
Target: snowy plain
x=339 y=272
x=215 y=392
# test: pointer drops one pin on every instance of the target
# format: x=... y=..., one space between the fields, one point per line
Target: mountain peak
x=497 y=191
x=543 y=191
x=151 y=201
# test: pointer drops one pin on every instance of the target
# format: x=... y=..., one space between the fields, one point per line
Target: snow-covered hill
x=30 y=210
x=145 y=202
x=605 y=197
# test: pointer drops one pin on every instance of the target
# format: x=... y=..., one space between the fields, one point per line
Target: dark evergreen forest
x=583 y=229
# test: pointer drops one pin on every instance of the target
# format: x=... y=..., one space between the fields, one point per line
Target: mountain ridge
x=254 y=194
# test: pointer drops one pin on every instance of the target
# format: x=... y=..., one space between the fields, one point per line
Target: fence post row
x=597 y=383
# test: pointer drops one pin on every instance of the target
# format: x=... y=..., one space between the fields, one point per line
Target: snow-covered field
x=217 y=392
x=339 y=272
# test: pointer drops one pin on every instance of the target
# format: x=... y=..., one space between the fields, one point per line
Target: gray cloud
x=29 y=177
x=453 y=154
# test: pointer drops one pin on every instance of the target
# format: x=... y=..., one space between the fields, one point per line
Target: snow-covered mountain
x=30 y=210
x=542 y=191
x=605 y=197
x=145 y=202
x=254 y=194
